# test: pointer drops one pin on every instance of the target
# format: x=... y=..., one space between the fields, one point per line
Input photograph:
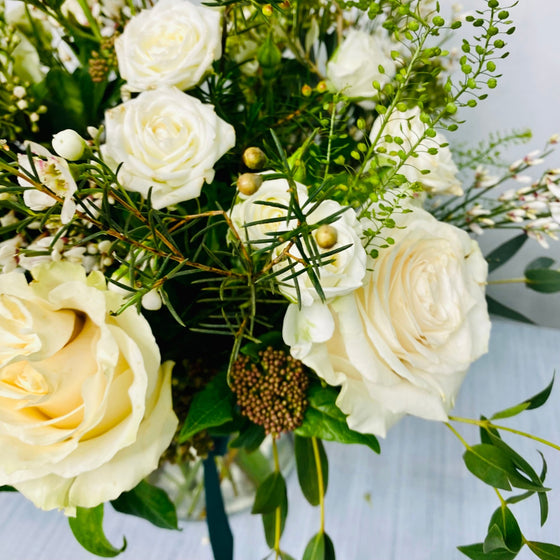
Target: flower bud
x=151 y=300
x=326 y=236
x=69 y=144
x=249 y=183
x=254 y=158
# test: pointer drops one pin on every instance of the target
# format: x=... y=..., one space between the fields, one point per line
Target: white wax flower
x=355 y=64
x=53 y=172
x=442 y=178
x=249 y=213
x=68 y=144
x=172 y=44
x=168 y=141
x=342 y=275
x=86 y=407
x=402 y=343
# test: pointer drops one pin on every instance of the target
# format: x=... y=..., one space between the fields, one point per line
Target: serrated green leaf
x=324 y=420
x=540 y=263
x=501 y=310
x=213 y=406
x=269 y=521
x=270 y=493
x=150 y=503
x=543 y=280
x=504 y=252
x=307 y=468
x=544 y=551
x=87 y=527
x=320 y=547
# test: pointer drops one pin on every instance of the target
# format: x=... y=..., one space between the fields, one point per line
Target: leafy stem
x=320 y=483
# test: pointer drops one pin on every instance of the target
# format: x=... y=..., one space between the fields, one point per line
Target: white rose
x=402 y=343
x=53 y=172
x=260 y=216
x=346 y=269
x=168 y=141
x=172 y=44
x=355 y=64
x=442 y=178
x=85 y=406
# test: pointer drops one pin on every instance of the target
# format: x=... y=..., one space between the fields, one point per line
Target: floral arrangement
x=226 y=222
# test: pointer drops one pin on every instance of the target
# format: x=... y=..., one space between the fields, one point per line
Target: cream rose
x=442 y=176
x=85 y=407
x=342 y=272
x=402 y=343
x=257 y=218
x=355 y=64
x=168 y=141
x=172 y=44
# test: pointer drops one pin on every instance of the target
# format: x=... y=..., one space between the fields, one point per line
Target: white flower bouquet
x=226 y=222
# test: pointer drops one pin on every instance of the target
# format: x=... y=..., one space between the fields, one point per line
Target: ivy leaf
x=544 y=551
x=87 y=527
x=504 y=252
x=307 y=468
x=320 y=547
x=324 y=420
x=270 y=494
x=212 y=407
x=150 y=503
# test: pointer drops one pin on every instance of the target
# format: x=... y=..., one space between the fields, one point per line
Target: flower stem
x=278 y=511
x=457 y=434
x=320 y=482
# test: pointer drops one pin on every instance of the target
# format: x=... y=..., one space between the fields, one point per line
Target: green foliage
x=505 y=252
x=271 y=494
x=497 y=308
x=320 y=547
x=87 y=527
x=150 y=503
x=307 y=468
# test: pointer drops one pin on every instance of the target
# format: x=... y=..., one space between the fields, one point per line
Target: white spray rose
x=53 y=172
x=355 y=65
x=172 y=44
x=402 y=343
x=346 y=269
x=442 y=178
x=271 y=203
x=85 y=406
x=168 y=141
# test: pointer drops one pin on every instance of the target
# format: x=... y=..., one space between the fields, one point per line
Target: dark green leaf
x=533 y=402
x=250 y=437
x=543 y=280
x=7 y=489
x=320 y=547
x=269 y=521
x=503 y=532
x=87 y=527
x=476 y=552
x=504 y=252
x=501 y=310
x=213 y=406
x=544 y=551
x=270 y=494
x=307 y=468
x=286 y=556
x=541 y=262
x=324 y=420
x=150 y=503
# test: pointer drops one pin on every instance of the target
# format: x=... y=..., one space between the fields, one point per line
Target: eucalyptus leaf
x=307 y=468
x=544 y=551
x=541 y=262
x=320 y=547
x=213 y=406
x=476 y=552
x=504 y=252
x=324 y=420
x=150 y=503
x=87 y=527
x=270 y=494
x=494 y=540
x=502 y=520
x=543 y=280
x=501 y=310
x=531 y=403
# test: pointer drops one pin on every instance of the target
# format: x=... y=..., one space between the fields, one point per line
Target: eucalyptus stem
x=488 y=424
x=457 y=434
x=507 y=281
x=320 y=483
